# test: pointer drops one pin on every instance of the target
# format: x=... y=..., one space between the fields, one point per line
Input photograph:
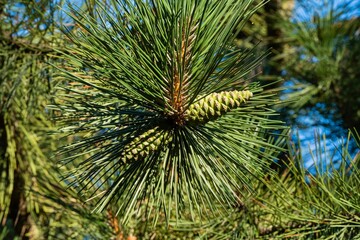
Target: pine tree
x=24 y=88
x=33 y=203
x=322 y=51
x=151 y=113
x=159 y=101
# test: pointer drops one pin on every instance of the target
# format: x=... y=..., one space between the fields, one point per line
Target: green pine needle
x=131 y=80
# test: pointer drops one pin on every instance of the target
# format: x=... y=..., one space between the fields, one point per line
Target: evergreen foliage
x=144 y=120
x=322 y=57
x=33 y=203
x=140 y=84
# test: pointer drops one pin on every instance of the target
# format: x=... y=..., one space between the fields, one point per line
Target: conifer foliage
x=159 y=103
x=161 y=130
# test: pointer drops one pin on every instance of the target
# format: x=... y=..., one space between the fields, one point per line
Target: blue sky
x=306 y=8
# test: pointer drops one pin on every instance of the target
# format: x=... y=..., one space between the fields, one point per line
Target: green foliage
x=323 y=204
x=295 y=204
x=33 y=204
x=322 y=56
x=164 y=133
x=24 y=88
x=136 y=73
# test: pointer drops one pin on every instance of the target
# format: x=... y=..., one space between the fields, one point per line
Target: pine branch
x=25 y=47
x=154 y=121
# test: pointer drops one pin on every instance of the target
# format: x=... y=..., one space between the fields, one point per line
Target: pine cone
x=215 y=105
x=144 y=144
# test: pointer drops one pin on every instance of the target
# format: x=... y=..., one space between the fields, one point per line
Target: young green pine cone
x=144 y=144
x=215 y=105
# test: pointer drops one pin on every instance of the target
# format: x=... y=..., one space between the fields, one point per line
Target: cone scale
x=146 y=143
x=215 y=105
